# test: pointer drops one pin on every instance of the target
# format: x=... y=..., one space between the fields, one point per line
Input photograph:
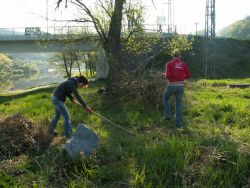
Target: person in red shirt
x=176 y=72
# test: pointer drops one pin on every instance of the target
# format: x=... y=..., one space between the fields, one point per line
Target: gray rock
x=84 y=141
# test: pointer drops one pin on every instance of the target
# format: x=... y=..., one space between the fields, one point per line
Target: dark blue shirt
x=66 y=88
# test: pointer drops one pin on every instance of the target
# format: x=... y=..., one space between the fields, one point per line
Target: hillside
x=238 y=30
x=232 y=58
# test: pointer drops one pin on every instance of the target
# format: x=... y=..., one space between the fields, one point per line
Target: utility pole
x=196 y=24
x=47 y=15
x=209 y=40
x=170 y=16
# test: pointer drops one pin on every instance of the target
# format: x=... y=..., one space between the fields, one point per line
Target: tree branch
x=105 y=9
x=59 y=2
x=131 y=33
x=75 y=20
x=96 y=22
x=153 y=4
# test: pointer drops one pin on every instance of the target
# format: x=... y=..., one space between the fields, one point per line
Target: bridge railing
x=36 y=31
x=64 y=30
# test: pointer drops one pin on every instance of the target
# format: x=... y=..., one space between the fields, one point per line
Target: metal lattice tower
x=170 y=16
x=209 y=43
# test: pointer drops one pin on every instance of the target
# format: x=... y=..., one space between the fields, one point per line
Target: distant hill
x=238 y=30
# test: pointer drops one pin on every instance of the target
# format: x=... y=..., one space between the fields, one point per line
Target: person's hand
x=74 y=100
x=88 y=110
x=162 y=75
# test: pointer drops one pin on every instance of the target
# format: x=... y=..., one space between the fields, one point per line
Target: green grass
x=213 y=150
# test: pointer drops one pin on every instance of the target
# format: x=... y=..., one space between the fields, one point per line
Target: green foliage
x=75 y=60
x=137 y=46
x=13 y=69
x=164 y=163
x=5 y=65
x=179 y=43
x=4 y=60
x=147 y=49
x=6 y=180
x=231 y=58
x=238 y=30
x=134 y=15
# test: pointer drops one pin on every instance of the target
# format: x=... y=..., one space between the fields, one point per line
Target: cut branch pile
x=148 y=90
x=19 y=135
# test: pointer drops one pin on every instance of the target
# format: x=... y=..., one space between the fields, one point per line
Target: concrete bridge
x=43 y=44
x=52 y=39
x=56 y=39
x=34 y=40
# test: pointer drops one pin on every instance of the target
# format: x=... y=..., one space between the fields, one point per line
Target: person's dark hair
x=176 y=54
x=82 y=79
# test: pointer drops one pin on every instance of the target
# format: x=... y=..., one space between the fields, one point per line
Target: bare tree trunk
x=91 y=64
x=79 y=69
x=113 y=47
x=71 y=63
x=86 y=65
x=65 y=65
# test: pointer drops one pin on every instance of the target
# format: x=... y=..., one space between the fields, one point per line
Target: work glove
x=88 y=110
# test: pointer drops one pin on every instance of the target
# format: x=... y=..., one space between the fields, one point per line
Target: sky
x=33 y=13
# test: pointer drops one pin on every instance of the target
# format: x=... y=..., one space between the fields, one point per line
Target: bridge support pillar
x=102 y=67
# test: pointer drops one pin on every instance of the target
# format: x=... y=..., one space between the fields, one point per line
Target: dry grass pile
x=146 y=90
x=19 y=135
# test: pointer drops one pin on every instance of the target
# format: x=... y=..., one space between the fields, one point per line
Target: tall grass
x=213 y=150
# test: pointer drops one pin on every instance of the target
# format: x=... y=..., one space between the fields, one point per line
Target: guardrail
x=36 y=31
x=63 y=30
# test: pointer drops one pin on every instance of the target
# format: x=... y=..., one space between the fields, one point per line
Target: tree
x=70 y=61
x=179 y=43
x=111 y=38
x=239 y=30
x=5 y=66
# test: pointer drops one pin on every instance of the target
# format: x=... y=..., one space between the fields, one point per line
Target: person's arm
x=77 y=96
x=71 y=98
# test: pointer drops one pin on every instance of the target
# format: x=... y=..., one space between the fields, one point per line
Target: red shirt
x=176 y=70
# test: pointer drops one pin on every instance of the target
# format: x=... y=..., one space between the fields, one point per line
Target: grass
x=213 y=150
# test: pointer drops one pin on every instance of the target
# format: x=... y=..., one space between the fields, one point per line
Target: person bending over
x=58 y=98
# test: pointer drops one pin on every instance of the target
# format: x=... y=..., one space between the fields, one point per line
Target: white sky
x=31 y=13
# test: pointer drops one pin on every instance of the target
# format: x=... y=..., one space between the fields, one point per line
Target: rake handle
x=111 y=122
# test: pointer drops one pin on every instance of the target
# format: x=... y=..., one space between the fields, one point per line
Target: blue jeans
x=61 y=109
x=178 y=91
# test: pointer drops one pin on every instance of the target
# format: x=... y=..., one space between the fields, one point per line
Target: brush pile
x=19 y=135
x=148 y=89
